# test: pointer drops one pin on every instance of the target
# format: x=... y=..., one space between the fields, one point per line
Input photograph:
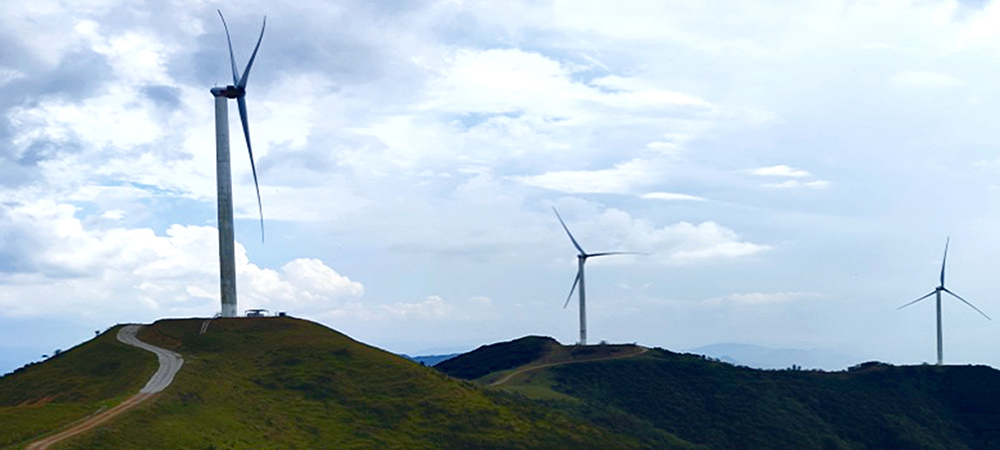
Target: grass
x=99 y=373
x=536 y=385
x=688 y=401
x=493 y=358
x=723 y=406
x=281 y=383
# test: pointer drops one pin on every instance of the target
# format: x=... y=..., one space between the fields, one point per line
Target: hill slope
x=96 y=374
x=720 y=406
x=279 y=383
x=496 y=357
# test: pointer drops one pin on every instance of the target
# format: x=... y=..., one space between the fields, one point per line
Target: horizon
x=734 y=353
x=793 y=171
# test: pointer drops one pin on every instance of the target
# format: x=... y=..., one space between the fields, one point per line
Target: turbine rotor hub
x=229 y=92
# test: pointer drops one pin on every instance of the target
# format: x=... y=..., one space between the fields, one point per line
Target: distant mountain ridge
x=777 y=358
x=429 y=360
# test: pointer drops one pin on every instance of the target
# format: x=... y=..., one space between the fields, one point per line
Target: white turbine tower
x=227 y=258
x=937 y=293
x=581 y=259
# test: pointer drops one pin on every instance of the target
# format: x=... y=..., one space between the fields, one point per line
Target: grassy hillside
x=42 y=397
x=491 y=363
x=282 y=383
x=720 y=406
x=497 y=357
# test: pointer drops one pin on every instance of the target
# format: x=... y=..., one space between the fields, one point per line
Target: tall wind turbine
x=937 y=293
x=227 y=258
x=581 y=259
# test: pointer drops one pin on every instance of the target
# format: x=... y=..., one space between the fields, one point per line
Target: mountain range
x=278 y=383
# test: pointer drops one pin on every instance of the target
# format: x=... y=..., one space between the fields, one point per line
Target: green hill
x=720 y=406
x=496 y=357
x=71 y=385
x=283 y=383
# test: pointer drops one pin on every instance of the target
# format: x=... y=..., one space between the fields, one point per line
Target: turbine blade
x=575 y=244
x=967 y=303
x=243 y=80
x=917 y=300
x=232 y=59
x=575 y=281
x=615 y=253
x=945 y=259
x=241 y=101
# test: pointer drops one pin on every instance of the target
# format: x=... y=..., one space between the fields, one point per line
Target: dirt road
x=542 y=366
x=170 y=364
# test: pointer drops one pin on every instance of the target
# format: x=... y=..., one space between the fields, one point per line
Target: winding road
x=170 y=364
x=511 y=375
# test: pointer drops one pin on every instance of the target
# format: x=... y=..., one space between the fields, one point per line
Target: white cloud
x=763 y=298
x=636 y=92
x=795 y=184
x=497 y=106
x=136 y=57
x=509 y=80
x=883 y=46
x=780 y=171
x=919 y=79
x=433 y=307
x=620 y=179
x=784 y=171
x=680 y=243
x=671 y=196
x=314 y=276
x=7 y=75
x=365 y=118
x=67 y=267
x=111 y=136
x=992 y=165
x=304 y=286
x=436 y=308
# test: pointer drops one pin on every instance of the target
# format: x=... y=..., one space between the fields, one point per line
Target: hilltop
x=270 y=383
x=717 y=405
x=279 y=383
x=497 y=357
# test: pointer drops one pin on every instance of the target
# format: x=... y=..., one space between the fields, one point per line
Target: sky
x=791 y=169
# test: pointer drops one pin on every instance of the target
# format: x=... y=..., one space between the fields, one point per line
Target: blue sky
x=792 y=169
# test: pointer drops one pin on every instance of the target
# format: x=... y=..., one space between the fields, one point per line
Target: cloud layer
x=410 y=154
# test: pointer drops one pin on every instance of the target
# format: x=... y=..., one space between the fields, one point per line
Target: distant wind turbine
x=581 y=260
x=227 y=259
x=937 y=293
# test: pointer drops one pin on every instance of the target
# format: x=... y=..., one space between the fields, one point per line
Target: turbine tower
x=581 y=259
x=937 y=293
x=227 y=258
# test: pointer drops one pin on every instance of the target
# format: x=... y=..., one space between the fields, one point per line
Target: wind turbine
x=581 y=259
x=227 y=258
x=937 y=293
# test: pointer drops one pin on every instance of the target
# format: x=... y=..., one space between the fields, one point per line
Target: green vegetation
x=97 y=374
x=282 y=383
x=496 y=357
x=722 y=406
x=490 y=363
x=691 y=399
